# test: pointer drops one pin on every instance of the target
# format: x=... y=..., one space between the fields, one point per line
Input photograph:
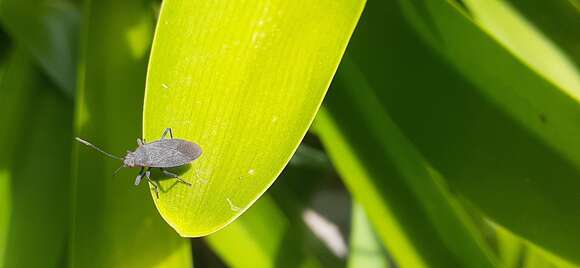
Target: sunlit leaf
x=243 y=80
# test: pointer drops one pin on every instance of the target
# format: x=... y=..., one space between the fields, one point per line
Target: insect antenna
x=98 y=149
x=118 y=169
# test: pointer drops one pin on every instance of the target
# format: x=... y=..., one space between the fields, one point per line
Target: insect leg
x=167 y=130
x=173 y=175
x=138 y=178
x=140 y=142
x=155 y=186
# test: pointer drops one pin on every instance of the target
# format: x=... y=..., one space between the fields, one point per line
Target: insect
x=163 y=153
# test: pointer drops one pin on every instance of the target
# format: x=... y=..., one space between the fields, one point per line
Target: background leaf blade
x=512 y=136
x=34 y=166
x=405 y=198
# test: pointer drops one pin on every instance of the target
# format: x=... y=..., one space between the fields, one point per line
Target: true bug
x=163 y=153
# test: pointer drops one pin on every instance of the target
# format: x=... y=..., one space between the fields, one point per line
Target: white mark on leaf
x=186 y=81
x=257 y=38
x=233 y=207
x=165 y=86
x=262 y=28
x=274 y=119
x=184 y=122
x=251 y=172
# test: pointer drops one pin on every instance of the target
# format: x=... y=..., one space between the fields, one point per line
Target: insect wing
x=171 y=152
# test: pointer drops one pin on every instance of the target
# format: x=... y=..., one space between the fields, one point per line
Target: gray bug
x=163 y=153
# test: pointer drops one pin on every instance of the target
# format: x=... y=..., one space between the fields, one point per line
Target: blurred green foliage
x=448 y=137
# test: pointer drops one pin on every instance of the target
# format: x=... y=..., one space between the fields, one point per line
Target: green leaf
x=48 y=30
x=365 y=246
x=243 y=80
x=34 y=166
x=421 y=224
x=115 y=224
x=505 y=138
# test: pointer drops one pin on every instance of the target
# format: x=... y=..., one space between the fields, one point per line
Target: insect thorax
x=129 y=160
x=138 y=158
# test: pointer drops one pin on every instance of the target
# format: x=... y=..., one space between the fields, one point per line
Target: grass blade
x=243 y=80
